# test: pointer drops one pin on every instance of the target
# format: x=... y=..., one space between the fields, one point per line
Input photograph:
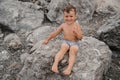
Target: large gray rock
x=92 y=61
x=85 y=9
x=110 y=32
x=36 y=36
x=109 y=7
x=55 y=10
x=19 y=15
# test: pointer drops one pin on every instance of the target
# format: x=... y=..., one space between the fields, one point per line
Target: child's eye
x=71 y=16
x=66 y=16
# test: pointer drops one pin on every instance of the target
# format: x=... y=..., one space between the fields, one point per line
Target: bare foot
x=55 y=68
x=67 y=72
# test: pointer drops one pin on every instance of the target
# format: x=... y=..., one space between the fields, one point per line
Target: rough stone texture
x=92 y=61
x=36 y=36
x=110 y=32
x=15 y=14
x=13 y=41
x=19 y=15
x=85 y=9
x=4 y=55
x=105 y=6
x=55 y=10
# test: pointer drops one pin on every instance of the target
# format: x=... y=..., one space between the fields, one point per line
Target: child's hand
x=75 y=30
x=45 y=41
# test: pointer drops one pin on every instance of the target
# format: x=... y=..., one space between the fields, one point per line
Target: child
x=72 y=34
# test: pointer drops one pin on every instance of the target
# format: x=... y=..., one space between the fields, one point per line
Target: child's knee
x=74 y=49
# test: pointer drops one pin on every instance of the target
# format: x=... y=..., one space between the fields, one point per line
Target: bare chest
x=68 y=31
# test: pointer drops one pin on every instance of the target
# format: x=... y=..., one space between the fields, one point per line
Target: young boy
x=72 y=34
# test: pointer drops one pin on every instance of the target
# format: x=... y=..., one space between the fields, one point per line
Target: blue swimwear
x=70 y=43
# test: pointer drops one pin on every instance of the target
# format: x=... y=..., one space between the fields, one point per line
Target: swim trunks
x=70 y=43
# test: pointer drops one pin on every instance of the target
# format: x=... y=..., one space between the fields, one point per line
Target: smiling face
x=70 y=17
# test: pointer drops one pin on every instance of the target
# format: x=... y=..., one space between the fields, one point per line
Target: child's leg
x=59 y=56
x=72 y=56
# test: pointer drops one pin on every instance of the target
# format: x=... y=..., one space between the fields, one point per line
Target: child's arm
x=77 y=31
x=53 y=35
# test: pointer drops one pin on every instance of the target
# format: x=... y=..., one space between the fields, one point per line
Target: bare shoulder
x=62 y=25
x=60 y=28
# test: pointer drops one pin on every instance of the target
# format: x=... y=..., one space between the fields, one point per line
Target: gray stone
x=19 y=15
x=110 y=32
x=12 y=41
x=92 y=61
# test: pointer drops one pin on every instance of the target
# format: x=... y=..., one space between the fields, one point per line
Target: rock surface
x=92 y=61
x=28 y=21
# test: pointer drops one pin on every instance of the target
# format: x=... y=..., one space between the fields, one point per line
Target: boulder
x=110 y=32
x=92 y=61
x=17 y=15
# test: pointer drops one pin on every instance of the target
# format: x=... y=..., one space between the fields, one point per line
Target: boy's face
x=70 y=17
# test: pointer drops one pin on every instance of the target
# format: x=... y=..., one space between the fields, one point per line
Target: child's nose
x=69 y=18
